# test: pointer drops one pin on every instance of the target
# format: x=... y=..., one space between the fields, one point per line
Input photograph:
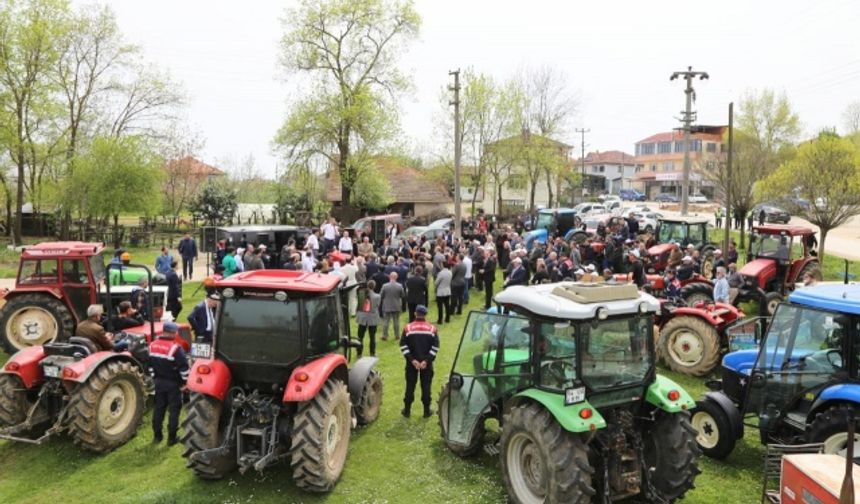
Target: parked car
x=613 y=206
x=697 y=198
x=585 y=209
x=631 y=195
x=446 y=223
x=648 y=220
x=419 y=232
x=608 y=197
x=771 y=213
x=666 y=198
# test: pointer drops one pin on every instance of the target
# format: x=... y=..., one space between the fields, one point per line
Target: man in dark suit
x=188 y=252
x=416 y=291
x=518 y=274
x=488 y=276
x=202 y=318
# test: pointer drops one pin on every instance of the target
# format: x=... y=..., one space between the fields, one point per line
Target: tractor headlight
x=643 y=307
x=228 y=293
x=281 y=296
x=602 y=313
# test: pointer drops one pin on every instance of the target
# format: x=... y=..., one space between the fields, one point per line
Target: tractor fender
x=212 y=380
x=25 y=365
x=358 y=376
x=56 y=293
x=843 y=392
x=536 y=235
x=567 y=416
x=658 y=395
x=80 y=371
x=314 y=374
x=731 y=411
x=697 y=312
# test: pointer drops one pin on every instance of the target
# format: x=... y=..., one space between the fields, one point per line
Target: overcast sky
x=617 y=56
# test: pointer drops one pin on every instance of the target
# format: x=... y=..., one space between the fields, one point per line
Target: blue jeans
x=466 y=291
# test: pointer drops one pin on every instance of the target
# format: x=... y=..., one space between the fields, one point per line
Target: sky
x=617 y=56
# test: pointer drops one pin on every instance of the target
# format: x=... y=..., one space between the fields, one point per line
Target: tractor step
x=491 y=449
x=796 y=420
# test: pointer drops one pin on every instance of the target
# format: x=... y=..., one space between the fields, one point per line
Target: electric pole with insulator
x=457 y=149
x=687 y=120
x=583 y=131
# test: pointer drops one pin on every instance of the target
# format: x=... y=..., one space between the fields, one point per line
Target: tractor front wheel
x=697 y=292
x=105 y=410
x=33 y=319
x=708 y=265
x=671 y=455
x=541 y=462
x=367 y=409
x=204 y=429
x=689 y=345
x=714 y=433
x=476 y=437
x=830 y=427
x=771 y=301
x=320 y=438
x=13 y=400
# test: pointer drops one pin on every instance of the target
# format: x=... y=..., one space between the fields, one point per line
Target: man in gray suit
x=458 y=285
x=443 y=294
x=393 y=296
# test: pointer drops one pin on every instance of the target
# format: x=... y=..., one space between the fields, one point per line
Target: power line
x=689 y=116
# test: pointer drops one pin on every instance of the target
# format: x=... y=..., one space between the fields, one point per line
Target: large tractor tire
x=204 y=428
x=105 y=411
x=771 y=301
x=476 y=437
x=830 y=427
x=34 y=319
x=541 y=462
x=13 y=401
x=697 y=291
x=714 y=433
x=320 y=438
x=671 y=455
x=708 y=264
x=367 y=409
x=808 y=268
x=689 y=345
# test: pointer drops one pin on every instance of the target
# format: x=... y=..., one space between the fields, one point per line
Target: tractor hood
x=756 y=267
x=660 y=249
x=537 y=235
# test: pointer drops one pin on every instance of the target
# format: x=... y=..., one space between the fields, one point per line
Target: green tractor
x=568 y=372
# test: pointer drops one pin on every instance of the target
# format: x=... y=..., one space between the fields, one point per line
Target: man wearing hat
x=637 y=271
x=685 y=271
x=419 y=344
x=718 y=259
x=170 y=369
x=202 y=318
x=591 y=275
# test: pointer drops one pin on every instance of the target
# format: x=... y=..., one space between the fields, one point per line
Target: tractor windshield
x=672 y=232
x=259 y=331
x=615 y=352
x=772 y=246
x=97 y=264
x=545 y=220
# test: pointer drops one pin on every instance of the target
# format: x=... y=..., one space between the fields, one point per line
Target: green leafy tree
x=215 y=203
x=372 y=191
x=348 y=50
x=825 y=172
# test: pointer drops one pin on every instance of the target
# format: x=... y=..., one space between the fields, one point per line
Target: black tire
x=708 y=264
x=58 y=322
x=830 y=427
x=696 y=292
x=476 y=437
x=118 y=384
x=771 y=301
x=367 y=409
x=317 y=467
x=531 y=436
x=689 y=345
x=714 y=433
x=671 y=454
x=204 y=428
x=579 y=237
x=13 y=400
x=812 y=265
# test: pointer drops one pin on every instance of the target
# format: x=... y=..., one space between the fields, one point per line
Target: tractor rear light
x=302 y=377
x=69 y=373
x=204 y=369
x=585 y=413
x=673 y=395
x=13 y=366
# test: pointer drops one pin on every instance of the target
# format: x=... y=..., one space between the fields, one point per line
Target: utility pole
x=729 y=174
x=583 y=131
x=457 y=149
x=687 y=120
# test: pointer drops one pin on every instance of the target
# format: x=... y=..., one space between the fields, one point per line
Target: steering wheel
x=836 y=361
x=555 y=371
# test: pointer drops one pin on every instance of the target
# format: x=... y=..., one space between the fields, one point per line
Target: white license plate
x=52 y=371
x=201 y=350
x=574 y=395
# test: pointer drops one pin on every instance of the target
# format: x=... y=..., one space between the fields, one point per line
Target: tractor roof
x=557 y=210
x=686 y=219
x=834 y=297
x=281 y=280
x=791 y=230
x=61 y=249
x=261 y=229
x=575 y=300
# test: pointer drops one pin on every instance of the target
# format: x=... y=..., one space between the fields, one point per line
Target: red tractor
x=276 y=387
x=97 y=396
x=683 y=231
x=56 y=283
x=694 y=290
x=692 y=338
x=778 y=257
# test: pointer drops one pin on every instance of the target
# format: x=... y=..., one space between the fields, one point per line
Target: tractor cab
x=797 y=381
x=683 y=231
x=553 y=221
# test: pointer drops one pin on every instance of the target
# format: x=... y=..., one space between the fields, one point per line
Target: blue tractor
x=555 y=221
x=798 y=383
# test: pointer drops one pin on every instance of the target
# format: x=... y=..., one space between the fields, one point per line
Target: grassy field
x=391 y=461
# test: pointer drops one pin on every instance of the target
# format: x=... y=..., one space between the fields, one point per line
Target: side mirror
x=757 y=380
x=456 y=381
x=348 y=342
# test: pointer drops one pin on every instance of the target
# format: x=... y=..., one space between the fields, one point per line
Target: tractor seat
x=85 y=343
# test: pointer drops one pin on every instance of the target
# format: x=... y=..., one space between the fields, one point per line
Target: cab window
x=39 y=271
x=74 y=271
x=557 y=351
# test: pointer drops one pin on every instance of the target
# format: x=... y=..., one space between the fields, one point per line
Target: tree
x=348 y=49
x=143 y=103
x=180 y=182
x=825 y=172
x=851 y=118
x=745 y=175
x=215 y=203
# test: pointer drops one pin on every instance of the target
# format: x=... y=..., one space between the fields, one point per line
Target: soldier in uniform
x=170 y=369
x=419 y=344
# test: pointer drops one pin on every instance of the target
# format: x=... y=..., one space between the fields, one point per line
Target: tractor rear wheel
x=671 y=455
x=320 y=438
x=689 y=345
x=13 y=400
x=697 y=291
x=830 y=427
x=203 y=429
x=541 y=462
x=367 y=409
x=708 y=264
x=714 y=433
x=105 y=410
x=34 y=319
x=475 y=438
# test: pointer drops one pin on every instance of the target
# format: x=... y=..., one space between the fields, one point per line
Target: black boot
x=171 y=439
x=405 y=412
x=157 y=438
x=427 y=412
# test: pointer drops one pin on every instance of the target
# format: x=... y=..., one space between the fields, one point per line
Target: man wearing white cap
x=637 y=271
x=685 y=270
x=719 y=261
